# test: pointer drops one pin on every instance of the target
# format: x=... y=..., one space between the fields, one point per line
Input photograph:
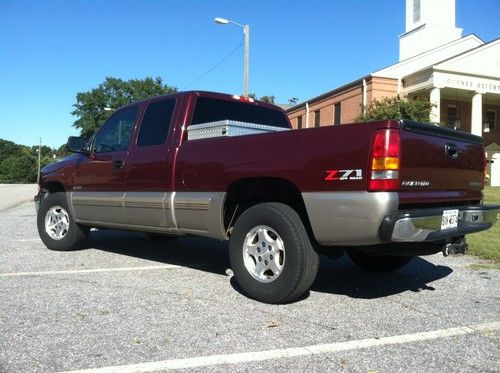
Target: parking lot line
x=78 y=271
x=236 y=358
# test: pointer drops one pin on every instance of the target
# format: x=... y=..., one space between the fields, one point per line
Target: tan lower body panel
x=198 y=213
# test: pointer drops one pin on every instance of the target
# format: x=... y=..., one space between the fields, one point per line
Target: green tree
x=417 y=109
x=268 y=99
x=92 y=108
x=18 y=169
x=62 y=152
x=18 y=163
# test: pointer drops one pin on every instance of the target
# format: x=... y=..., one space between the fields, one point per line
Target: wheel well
x=53 y=187
x=246 y=193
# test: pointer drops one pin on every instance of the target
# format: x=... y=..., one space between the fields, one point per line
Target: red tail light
x=243 y=98
x=385 y=160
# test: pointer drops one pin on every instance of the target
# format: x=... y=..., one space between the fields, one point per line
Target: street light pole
x=246 y=31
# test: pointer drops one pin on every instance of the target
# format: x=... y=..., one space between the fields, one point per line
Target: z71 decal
x=341 y=175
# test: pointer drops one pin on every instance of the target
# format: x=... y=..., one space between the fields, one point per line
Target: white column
x=435 y=99
x=495 y=170
x=477 y=114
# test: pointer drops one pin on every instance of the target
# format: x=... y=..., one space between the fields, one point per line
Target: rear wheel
x=271 y=255
x=56 y=226
x=378 y=263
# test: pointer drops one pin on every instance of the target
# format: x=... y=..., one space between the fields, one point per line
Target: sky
x=50 y=50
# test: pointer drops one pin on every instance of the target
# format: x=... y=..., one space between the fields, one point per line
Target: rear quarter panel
x=302 y=157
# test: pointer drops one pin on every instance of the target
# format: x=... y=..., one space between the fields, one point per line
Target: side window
x=156 y=123
x=115 y=134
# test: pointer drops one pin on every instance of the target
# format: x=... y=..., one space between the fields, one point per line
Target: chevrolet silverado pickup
x=230 y=168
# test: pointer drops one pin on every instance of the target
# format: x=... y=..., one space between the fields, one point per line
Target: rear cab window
x=213 y=110
x=156 y=123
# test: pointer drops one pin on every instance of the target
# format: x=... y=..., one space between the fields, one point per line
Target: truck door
x=148 y=171
x=98 y=189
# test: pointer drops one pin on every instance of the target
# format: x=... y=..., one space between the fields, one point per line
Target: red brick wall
x=350 y=99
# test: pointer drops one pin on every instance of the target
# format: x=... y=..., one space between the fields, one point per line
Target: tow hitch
x=459 y=246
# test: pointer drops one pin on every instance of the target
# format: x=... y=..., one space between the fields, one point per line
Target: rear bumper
x=363 y=218
x=424 y=225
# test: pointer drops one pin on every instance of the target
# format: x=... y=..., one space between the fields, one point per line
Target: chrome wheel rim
x=57 y=223
x=264 y=253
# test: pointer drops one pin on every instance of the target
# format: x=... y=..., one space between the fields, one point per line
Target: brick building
x=460 y=75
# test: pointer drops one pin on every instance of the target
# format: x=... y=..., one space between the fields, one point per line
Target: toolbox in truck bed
x=228 y=128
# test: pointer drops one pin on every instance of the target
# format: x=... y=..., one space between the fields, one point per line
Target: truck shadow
x=204 y=254
x=339 y=277
x=343 y=277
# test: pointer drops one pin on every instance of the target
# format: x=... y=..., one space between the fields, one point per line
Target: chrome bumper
x=362 y=218
x=425 y=225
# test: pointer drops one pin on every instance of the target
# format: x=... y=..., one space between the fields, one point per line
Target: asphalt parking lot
x=127 y=303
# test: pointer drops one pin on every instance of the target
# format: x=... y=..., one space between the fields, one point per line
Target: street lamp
x=246 y=31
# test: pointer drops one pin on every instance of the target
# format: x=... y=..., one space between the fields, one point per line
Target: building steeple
x=429 y=24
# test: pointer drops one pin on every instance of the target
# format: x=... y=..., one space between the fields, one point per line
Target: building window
x=316 y=118
x=453 y=120
x=336 y=117
x=299 y=122
x=416 y=11
x=490 y=124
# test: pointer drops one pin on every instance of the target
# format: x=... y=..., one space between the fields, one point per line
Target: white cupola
x=429 y=24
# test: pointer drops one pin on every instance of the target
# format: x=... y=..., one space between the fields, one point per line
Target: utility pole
x=39 y=161
x=246 y=30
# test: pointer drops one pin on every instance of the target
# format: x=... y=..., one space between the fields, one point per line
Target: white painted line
x=245 y=357
x=96 y=270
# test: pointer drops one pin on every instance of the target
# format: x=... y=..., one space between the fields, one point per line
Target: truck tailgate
x=440 y=159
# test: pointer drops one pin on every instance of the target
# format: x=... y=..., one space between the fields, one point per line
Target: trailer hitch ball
x=456 y=247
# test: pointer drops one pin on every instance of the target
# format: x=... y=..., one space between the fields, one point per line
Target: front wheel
x=378 y=263
x=56 y=226
x=271 y=255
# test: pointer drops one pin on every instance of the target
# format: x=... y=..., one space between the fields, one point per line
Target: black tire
x=299 y=260
x=73 y=237
x=378 y=263
x=161 y=237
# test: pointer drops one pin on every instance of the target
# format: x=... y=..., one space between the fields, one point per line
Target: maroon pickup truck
x=230 y=168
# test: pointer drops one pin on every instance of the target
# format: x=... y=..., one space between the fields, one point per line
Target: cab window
x=156 y=123
x=115 y=134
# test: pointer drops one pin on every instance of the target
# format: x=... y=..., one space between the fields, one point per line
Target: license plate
x=449 y=219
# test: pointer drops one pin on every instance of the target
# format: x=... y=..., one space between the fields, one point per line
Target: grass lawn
x=486 y=244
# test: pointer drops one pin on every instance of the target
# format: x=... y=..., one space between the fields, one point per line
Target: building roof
x=434 y=57
x=430 y=57
x=472 y=62
x=327 y=94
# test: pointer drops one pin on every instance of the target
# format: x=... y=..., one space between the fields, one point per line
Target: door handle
x=118 y=164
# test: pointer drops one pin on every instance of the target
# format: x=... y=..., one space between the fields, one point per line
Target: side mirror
x=77 y=145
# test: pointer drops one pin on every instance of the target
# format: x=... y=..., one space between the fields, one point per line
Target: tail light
x=243 y=98
x=385 y=160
